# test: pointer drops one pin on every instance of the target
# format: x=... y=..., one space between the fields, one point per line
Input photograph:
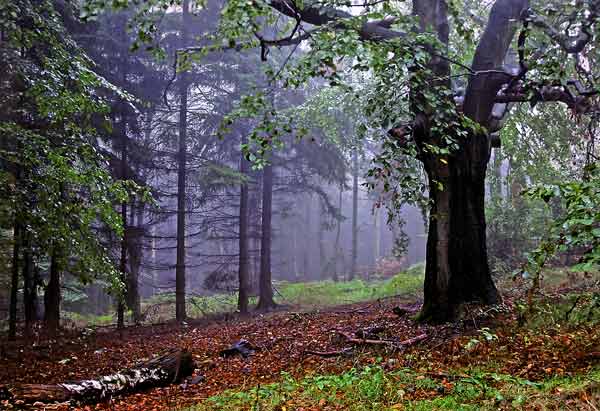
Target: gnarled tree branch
x=570 y=44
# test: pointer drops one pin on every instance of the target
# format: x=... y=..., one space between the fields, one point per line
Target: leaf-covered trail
x=281 y=340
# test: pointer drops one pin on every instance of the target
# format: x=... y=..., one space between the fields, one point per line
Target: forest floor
x=501 y=358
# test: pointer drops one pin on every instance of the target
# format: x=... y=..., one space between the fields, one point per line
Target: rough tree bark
x=243 y=240
x=180 y=313
x=265 y=301
x=457 y=269
x=169 y=368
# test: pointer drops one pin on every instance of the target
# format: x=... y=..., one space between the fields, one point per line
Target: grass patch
x=571 y=309
x=315 y=294
x=372 y=388
x=306 y=295
x=83 y=320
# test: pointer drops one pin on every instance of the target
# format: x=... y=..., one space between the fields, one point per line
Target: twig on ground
x=404 y=343
x=329 y=354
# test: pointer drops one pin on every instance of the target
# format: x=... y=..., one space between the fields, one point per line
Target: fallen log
x=166 y=369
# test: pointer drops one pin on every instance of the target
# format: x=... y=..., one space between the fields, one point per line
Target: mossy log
x=166 y=369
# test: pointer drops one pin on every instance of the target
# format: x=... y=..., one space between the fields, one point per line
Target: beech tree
x=451 y=131
x=434 y=93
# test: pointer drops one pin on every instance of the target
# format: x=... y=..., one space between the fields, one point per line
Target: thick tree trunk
x=164 y=370
x=457 y=269
x=354 y=268
x=244 y=261
x=14 y=283
x=266 y=301
x=52 y=295
x=180 y=313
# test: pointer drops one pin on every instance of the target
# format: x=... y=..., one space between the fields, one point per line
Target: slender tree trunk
x=123 y=267
x=180 y=313
x=266 y=301
x=337 y=247
x=14 y=283
x=124 y=240
x=135 y=260
x=52 y=294
x=307 y=239
x=496 y=188
x=377 y=229
x=29 y=290
x=354 y=267
x=295 y=255
x=243 y=271
x=155 y=272
x=321 y=240
x=254 y=210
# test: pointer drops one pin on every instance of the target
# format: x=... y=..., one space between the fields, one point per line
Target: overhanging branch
x=570 y=44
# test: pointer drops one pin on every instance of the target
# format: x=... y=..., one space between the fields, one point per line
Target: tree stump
x=166 y=369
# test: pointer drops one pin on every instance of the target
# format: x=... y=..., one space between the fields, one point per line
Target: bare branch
x=322 y=15
x=580 y=103
x=570 y=44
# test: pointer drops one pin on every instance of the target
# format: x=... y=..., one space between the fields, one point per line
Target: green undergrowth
x=304 y=295
x=84 y=319
x=571 y=309
x=372 y=388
